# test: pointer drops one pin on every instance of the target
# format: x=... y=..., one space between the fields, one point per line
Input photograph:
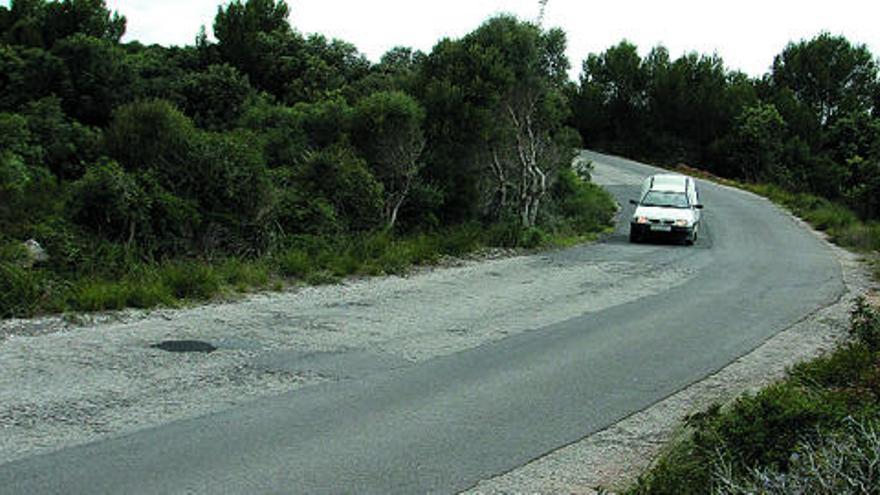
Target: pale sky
x=745 y=33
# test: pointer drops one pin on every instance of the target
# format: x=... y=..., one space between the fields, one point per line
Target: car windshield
x=665 y=199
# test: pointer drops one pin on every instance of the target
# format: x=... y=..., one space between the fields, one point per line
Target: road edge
x=613 y=458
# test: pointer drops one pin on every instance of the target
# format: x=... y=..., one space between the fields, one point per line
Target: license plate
x=661 y=228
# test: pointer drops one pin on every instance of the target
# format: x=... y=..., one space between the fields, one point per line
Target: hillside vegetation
x=811 y=125
x=152 y=174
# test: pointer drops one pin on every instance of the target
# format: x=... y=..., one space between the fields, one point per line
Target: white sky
x=746 y=33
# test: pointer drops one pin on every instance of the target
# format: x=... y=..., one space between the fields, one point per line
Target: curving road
x=444 y=424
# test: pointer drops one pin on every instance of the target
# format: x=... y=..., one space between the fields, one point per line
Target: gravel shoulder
x=612 y=459
x=64 y=383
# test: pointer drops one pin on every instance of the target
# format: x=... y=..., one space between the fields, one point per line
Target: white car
x=669 y=206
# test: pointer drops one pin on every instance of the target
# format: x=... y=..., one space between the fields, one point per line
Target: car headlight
x=682 y=223
x=641 y=219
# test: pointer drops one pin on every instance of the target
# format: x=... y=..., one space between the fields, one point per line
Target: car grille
x=664 y=222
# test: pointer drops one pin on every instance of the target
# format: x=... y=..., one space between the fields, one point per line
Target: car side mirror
x=633 y=202
x=698 y=206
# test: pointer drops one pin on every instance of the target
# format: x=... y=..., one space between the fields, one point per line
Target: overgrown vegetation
x=810 y=125
x=153 y=175
x=814 y=432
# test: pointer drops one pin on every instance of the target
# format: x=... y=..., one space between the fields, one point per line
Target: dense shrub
x=22 y=290
x=216 y=97
x=345 y=181
x=584 y=205
x=110 y=202
x=786 y=435
x=151 y=134
x=865 y=327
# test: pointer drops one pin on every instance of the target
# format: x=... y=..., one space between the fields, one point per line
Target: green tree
x=757 y=142
x=150 y=134
x=100 y=77
x=281 y=133
x=255 y=37
x=41 y=23
x=216 y=98
x=28 y=74
x=345 y=182
x=829 y=75
x=617 y=78
x=481 y=94
x=89 y=17
x=388 y=130
x=67 y=144
x=110 y=202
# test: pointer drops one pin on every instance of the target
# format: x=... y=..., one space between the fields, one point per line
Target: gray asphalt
x=443 y=425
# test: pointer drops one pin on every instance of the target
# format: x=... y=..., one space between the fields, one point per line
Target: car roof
x=668 y=182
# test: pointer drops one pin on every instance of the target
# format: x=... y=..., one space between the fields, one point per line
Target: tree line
x=811 y=124
x=231 y=146
x=241 y=145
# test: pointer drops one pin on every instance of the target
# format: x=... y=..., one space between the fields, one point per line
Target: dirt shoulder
x=64 y=383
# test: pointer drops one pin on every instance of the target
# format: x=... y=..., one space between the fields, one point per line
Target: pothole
x=184 y=346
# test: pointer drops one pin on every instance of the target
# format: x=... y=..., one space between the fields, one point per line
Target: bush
x=865 y=325
x=229 y=182
x=216 y=97
x=298 y=212
x=109 y=202
x=190 y=280
x=755 y=431
x=294 y=263
x=151 y=134
x=586 y=207
x=244 y=274
x=22 y=290
x=797 y=436
x=343 y=179
x=841 y=462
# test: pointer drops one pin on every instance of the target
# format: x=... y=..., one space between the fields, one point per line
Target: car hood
x=660 y=213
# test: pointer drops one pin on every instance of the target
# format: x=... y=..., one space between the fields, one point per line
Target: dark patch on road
x=184 y=346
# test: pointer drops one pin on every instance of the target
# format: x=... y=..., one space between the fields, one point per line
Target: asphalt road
x=445 y=424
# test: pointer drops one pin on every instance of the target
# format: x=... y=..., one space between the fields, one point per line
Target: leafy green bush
x=151 y=134
x=22 y=290
x=756 y=430
x=110 y=202
x=190 y=280
x=584 y=207
x=229 y=182
x=343 y=179
x=215 y=98
x=865 y=325
x=763 y=436
x=281 y=133
x=843 y=368
x=294 y=262
x=244 y=274
x=837 y=462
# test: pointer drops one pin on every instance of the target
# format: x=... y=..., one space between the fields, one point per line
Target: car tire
x=634 y=238
x=692 y=239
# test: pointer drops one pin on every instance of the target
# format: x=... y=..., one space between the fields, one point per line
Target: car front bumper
x=645 y=230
